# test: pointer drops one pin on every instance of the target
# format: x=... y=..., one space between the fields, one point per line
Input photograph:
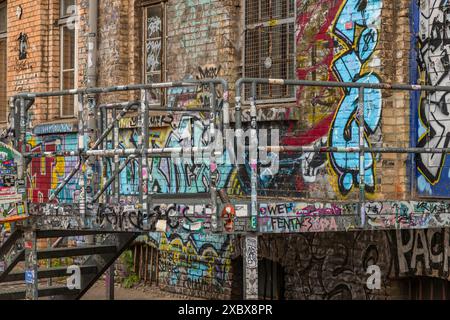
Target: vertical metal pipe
x=92 y=44
x=23 y=126
x=102 y=145
x=22 y=166
x=251 y=240
x=144 y=158
x=238 y=125
x=361 y=155
x=226 y=109
x=103 y=162
x=91 y=76
x=213 y=172
x=110 y=282
x=116 y=186
x=31 y=267
x=253 y=158
x=82 y=146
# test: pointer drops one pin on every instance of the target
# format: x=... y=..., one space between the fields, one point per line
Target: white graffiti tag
x=434 y=41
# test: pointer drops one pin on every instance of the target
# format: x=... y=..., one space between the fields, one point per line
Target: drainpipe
x=90 y=113
x=92 y=44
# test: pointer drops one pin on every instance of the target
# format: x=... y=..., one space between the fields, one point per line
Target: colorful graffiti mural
x=46 y=173
x=430 y=64
x=195 y=264
x=12 y=204
x=337 y=40
x=184 y=174
x=357 y=29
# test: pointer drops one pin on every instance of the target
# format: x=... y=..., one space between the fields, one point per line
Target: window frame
x=62 y=24
x=246 y=27
x=62 y=14
x=4 y=37
x=164 y=37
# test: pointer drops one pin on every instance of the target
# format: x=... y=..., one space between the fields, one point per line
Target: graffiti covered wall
x=333 y=266
x=337 y=40
x=12 y=192
x=430 y=118
x=46 y=173
x=195 y=264
x=294 y=217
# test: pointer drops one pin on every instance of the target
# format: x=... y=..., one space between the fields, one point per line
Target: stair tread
x=63 y=268
x=74 y=251
x=77 y=248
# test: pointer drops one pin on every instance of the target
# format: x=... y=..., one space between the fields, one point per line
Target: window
x=154 y=45
x=65 y=7
x=3 y=63
x=269 y=45
x=67 y=57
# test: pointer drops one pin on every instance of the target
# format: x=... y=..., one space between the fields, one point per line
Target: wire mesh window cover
x=3 y=62
x=154 y=40
x=67 y=74
x=269 y=45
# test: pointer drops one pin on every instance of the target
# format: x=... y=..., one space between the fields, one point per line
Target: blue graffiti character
x=355 y=28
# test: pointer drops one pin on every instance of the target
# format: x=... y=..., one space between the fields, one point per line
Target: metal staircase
x=98 y=258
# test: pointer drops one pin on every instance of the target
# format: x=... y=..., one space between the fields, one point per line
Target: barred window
x=3 y=62
x=269 y=45
x=154 y=45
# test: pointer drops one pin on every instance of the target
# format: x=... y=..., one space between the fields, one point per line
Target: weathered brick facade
x=206 y=38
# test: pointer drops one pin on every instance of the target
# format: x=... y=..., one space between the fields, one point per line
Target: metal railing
x=94 y=153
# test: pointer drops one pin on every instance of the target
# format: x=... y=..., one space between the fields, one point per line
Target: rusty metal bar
x=184 y=83
x=335 y=84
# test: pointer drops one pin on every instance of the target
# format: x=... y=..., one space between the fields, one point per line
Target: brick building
x=44 y=47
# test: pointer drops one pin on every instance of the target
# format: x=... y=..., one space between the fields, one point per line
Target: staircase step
x=50 y=273
x=44 y=292
x=75 y=251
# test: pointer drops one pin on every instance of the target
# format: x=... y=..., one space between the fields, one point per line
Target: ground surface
x=140 y=292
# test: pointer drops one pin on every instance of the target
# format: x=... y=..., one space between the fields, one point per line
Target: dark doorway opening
x=271 y=284
x=426 y=288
